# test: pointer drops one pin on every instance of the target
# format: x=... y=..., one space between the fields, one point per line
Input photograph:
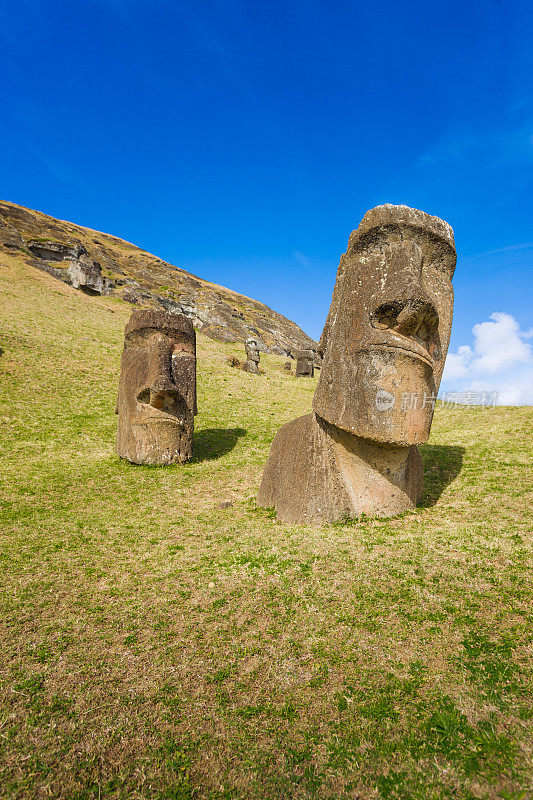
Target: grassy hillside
x=158 y=645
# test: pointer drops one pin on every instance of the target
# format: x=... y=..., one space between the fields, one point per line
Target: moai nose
x=161 y=384
x=404 y=306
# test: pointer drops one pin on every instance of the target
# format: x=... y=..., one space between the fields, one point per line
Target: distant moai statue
x=252 y=356
x=384 y=346
x=317 y=360
x=287 y=366
x=157 y=389
x=304 y=363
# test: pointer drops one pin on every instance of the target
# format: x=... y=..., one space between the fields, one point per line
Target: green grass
x=156 y=645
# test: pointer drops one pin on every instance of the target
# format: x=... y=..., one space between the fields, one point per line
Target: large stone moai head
x=387 y=333
x=157 y=389
x=304 y=363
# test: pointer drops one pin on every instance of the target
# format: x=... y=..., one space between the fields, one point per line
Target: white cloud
x=499 y=344
x=500 y=360
x=457 y=363
x=302 y=259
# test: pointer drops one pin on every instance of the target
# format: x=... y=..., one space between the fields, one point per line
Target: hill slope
x=157 y=645
x=102 y=264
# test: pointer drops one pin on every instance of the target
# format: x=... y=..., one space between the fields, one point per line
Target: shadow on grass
x=211 y=443
x=442 y=465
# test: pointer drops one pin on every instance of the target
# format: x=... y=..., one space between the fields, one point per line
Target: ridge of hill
x=98 y=263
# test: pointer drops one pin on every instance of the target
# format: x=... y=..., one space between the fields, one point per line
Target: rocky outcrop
x=87 y=276
x=52 y=250
x=98 y=263
x=70 y=263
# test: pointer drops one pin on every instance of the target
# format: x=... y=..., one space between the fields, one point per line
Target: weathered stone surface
x=71 y=263
x=316 y=472
x=157 y=389
x=304 y=363
x=252 y=356
x=87 y=275
x=287 y=366
x=252 y=350
x=384 y=345
x=10 y=238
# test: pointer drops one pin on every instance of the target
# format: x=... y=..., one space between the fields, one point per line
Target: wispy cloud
x=59 y=170
x=496 y=147
x=302 y=259
x=524 y=246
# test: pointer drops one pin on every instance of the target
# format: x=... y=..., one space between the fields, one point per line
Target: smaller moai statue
x=157 y=389
x=252 y=356
x=317 y=360
x=304 y=363
x=287 y=366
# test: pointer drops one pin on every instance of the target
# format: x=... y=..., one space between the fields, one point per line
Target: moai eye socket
x=385 y=315
x=414 y=317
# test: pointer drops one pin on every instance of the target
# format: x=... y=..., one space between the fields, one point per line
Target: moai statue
x=157 y=389
x=252 y=356
x=287 y=366
x=384 y=345
x=317 y=360
x=304 y=363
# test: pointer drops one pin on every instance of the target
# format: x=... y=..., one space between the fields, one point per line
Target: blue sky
x=244 y=140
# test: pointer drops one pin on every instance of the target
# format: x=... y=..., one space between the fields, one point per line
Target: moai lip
x=157 y=389
x=383 y=350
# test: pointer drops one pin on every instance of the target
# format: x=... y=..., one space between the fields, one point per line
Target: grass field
x=157 y=645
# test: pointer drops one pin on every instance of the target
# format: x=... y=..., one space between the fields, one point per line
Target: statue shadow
x=212 y=443
x=442 y=464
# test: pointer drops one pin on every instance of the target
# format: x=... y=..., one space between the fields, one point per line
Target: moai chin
x=252 y=356
x=384 y=345
x=157 y=389
x=304 y=363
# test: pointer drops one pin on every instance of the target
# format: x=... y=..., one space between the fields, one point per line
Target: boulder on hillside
x=87 y=276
